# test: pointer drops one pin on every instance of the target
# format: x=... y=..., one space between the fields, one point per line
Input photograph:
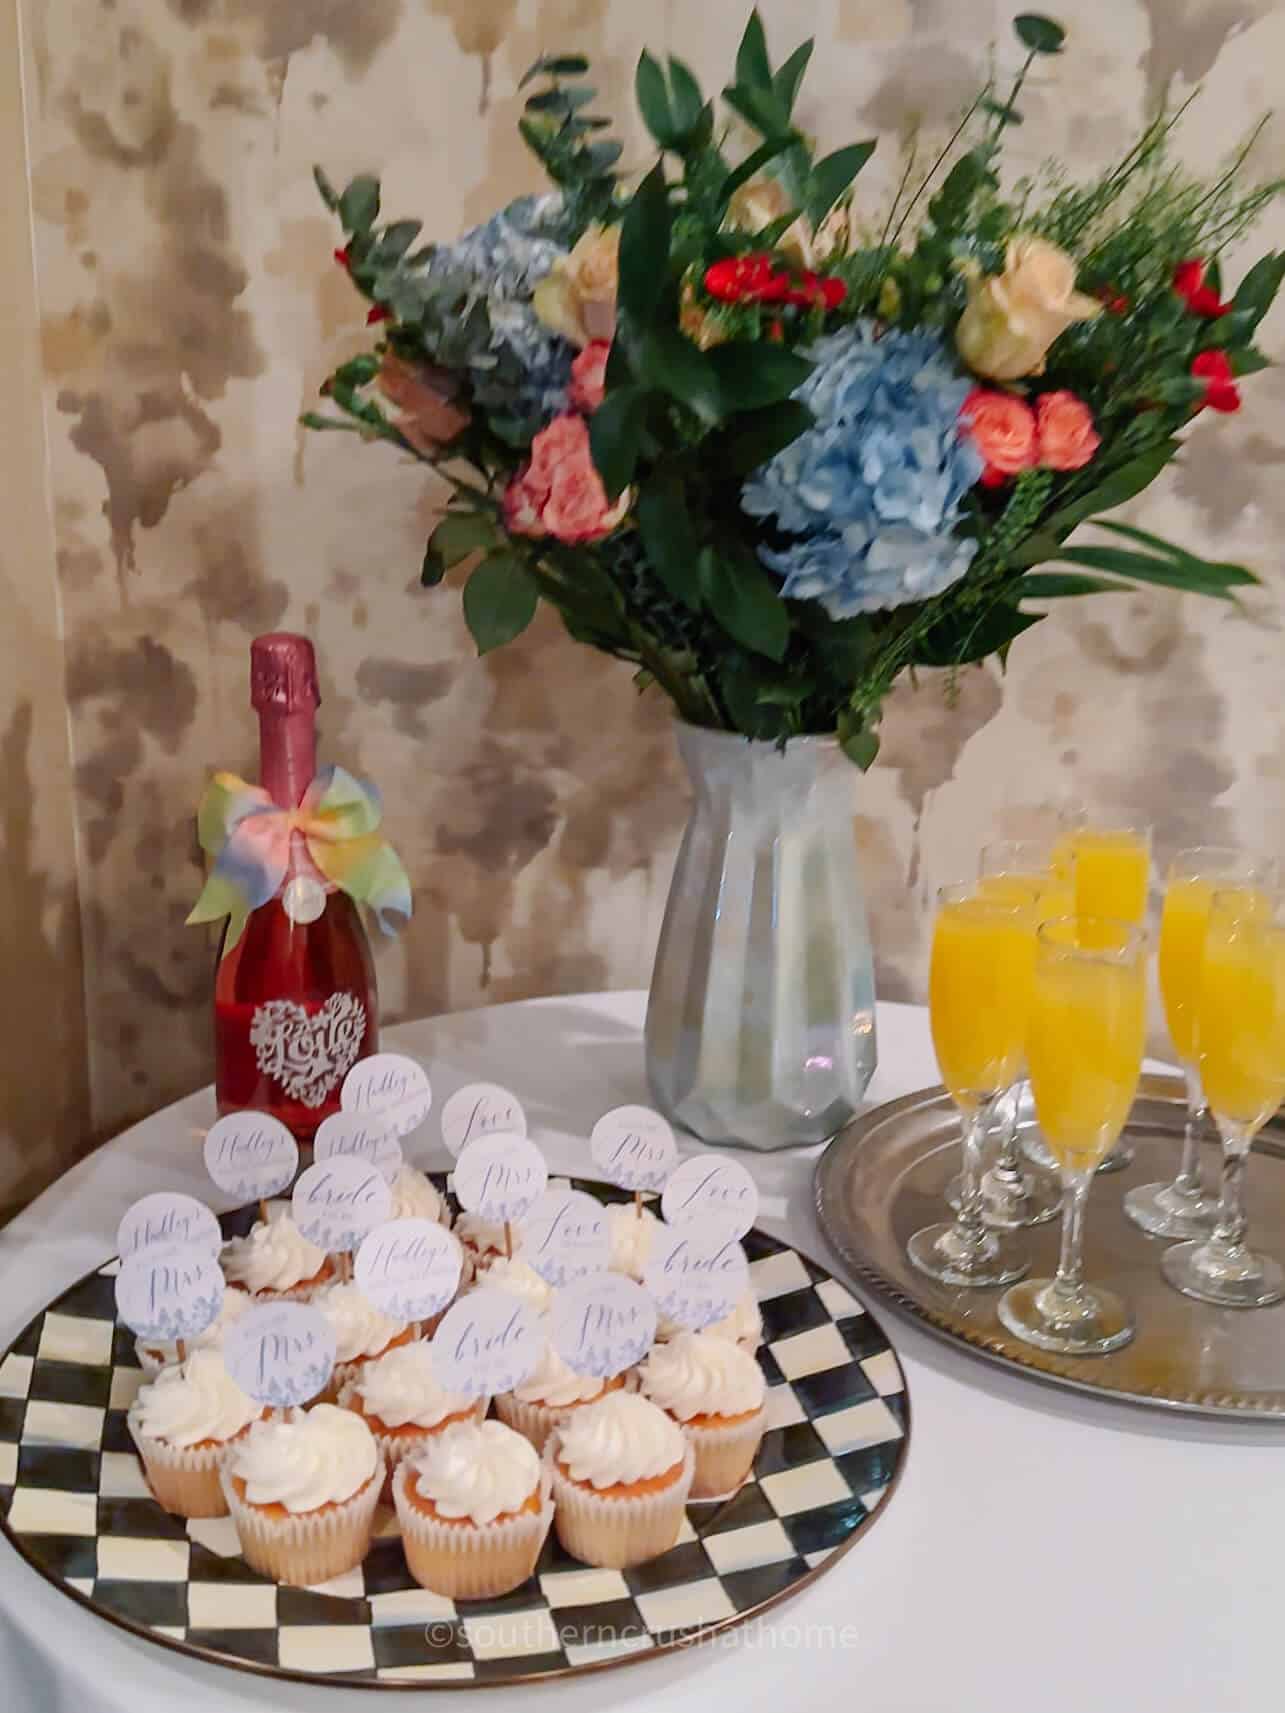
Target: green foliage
x=565 y=138
x=500 y=599
x=1041 y=35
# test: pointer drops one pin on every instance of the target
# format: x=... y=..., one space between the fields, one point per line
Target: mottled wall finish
x=190 y=309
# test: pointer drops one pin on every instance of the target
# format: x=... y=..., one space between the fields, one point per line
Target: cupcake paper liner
x=395 y=1448
x=615 y=1531
x=312 y=1547
x=184 y=1479
x=535 y=1422
x=468 y=1561
x=724 y=1454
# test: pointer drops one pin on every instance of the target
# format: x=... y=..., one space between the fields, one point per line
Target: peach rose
x=577 y=298
x=560 y=493
x=1003 y=430
x=523 y=508
x=1066 y=434
x=589 y=376
x=562 y=439
x=1013 y=317
x=421 y=396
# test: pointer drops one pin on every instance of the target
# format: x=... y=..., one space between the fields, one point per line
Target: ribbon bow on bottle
x=249 y=836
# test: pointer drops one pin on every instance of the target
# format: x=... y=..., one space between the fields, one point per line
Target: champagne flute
x=1084 y=1052
x=978 y=995
x=1240 y=1036
x=1182 y=1208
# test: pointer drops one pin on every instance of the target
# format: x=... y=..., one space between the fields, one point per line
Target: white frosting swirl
x=743 y=1326
x=196 y=1401
x=519 y=1279
x=235 y=1303
x=631 y=1238
x=555 y=1384
x=403 y=1391
x=320 y=1456
x=621 y=1438
x=274 y=1257
x=484 y=1237
x=414 y=1197
x=479 y=1471
x=360 y=1328
x=695 y=1375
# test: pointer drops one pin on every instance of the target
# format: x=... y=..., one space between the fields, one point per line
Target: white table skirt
x=1043 y=1550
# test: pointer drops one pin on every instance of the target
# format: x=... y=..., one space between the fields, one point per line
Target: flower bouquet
x=774 y=452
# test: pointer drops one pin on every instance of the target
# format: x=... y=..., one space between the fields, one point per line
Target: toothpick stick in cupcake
x=252 y=1156
x=499 y=1177
x=634 y=1147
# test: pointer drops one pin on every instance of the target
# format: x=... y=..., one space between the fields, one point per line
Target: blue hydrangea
x=873 y=491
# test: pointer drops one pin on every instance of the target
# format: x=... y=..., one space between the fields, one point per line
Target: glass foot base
x=1009 y=1209
x=1161 y=1210
x=1250 y=1282
x=939 y=1251
x=1038 y=1153
x=1095 y=1323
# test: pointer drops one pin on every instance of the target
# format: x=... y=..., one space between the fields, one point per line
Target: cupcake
x=361 y=1331
x=483 y=1240
x=155 y=1354
x=621 y=1472
x=744 y=1326
x=715 y=1391
x=303 y=1492
x=632 y=1233
x=474 y=1510
x=403 y=1404
x=542 y=1400
x=520 y=1279
x=416 y=1197
x=182 y=1424
x=276 y=1262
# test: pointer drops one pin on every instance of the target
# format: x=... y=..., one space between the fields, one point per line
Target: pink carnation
x=1003 y=430
x=560 y=492
x=589 y=376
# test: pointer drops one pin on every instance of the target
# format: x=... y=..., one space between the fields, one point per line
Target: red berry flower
x=753 y=279
x=378 y=312
x=1200 y=299
x=1113 y=301
x=1215 y=370
x=344 y=256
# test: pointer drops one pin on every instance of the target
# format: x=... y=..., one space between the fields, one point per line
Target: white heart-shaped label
x=308 y=1054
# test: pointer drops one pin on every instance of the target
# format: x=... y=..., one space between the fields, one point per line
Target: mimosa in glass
x=1240 y=1042
x=1182 y=1208
x=1084 y=1052
x=978 y=995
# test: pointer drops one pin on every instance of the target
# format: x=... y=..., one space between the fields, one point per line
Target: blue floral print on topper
x=169 y=1291
x=338 y=1201
x=696 y=1272
x=602 y=1324
x=281 y=1354
x=566 y=1235
x=409 y=1268
x=250 y=1155
x=487 y=1342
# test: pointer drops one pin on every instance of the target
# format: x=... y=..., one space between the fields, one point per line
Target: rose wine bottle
x=295 y=1004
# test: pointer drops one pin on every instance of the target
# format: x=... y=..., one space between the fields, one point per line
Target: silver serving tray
x=884 y=1177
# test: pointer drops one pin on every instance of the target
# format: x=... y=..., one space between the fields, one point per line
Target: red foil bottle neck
x=283 y=691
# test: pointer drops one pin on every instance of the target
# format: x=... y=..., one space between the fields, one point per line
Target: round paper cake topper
x=169 y=1291
x=634 y=1147
x=338 y=1202
x=565 y=1235
x=602 y=1325
x=696 y=1272
x=281 y=1354
x=500 y=1177
x=409 y=1268
x=370 y=1139
x=251 y=1155
x=168 y=1217
x=488 y=1342
x=388 y=1086
x=480 y=1109
x=709 y=1186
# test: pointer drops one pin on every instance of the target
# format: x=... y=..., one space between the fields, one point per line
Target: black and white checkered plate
x=75 y=1504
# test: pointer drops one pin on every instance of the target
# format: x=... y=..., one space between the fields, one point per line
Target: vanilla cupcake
x=474 y=1509
x=276 y=1262
x=716 y=1391
x=632 y=1233
x=403 y=1403
x=183 y=1424
x=155 y=1354
x=519 y=1279
x=416 y=1197
x=483 y=1239
x=621 y=1472
x=303 y=1492
x=362 y=1332
x=542 y=1400
x=743 y=1326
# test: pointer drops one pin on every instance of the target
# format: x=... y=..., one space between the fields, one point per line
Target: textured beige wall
x=189 y=309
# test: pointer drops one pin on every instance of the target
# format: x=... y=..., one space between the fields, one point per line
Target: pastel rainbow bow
x=249 y=837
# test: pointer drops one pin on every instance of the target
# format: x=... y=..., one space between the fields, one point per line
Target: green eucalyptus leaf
x=329 y=195
x=1040 y=34
x=358 y=371
x=753 y=67
x=601 y=157
x=830 y=178
x=745 y=601
x=1002 y=110
x=462 y=533
x=644 y=248
x=1257 y=291
x=652 y=93
x=787 y=81
x=686 y=100
x=751 y=377
x=500 y=599
x=359 y=204
x=615 y=437
x=555 y=65
x=858 y=741
x=670 y=540
x=394 y=241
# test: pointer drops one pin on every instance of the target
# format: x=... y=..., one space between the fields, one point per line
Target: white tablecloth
x=1043 y=1551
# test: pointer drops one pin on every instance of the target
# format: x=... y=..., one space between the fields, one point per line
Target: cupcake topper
x=250 y=1155
x=565 y=1235
x=337 y=1202
x=500 y=1177
x=169 y=1291
x=634 y=1147
x=388 y=1086
x=488 y=1342
x=602 y=1325
x=351 y=1134
x=409 y=1268
x=168 y=1218
x=696 y=1272
x=281 y=1354
x=709 y=1187
x=480 y=1109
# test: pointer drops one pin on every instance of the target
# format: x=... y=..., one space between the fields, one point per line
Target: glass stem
x=969 y=1223
x=1187 y=1183
x=1228 y=1236
x=1070 y=1261
x=1007 y=1169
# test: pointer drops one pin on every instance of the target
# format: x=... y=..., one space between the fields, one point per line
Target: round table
x=1042 y=1550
